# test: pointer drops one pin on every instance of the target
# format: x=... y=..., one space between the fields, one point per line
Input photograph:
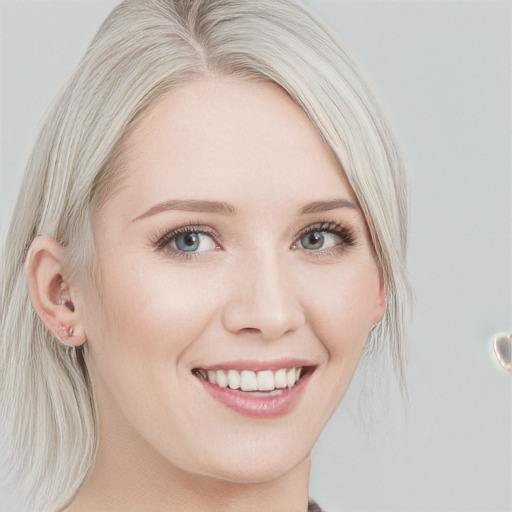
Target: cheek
x=160 y=310
x=342 y=309
x=147 y=319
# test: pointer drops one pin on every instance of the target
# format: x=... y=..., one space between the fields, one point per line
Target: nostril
x=251 y=330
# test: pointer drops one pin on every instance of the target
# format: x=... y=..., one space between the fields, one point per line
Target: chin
x=256 y=459
x=254 y=472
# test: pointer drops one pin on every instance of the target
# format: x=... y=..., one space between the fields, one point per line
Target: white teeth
x=233 y=379
x=265 y=380
x=280 y=378
x=290 y=377
x=246 y=380
x=222 y=379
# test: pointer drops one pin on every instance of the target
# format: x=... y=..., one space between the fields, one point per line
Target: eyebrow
x=324 y=206
x=194 y=205
x=197 y=205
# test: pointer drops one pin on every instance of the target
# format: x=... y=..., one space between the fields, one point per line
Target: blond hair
x=143 y=49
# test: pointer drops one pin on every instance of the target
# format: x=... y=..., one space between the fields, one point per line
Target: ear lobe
x=381 y=300
x=50 y=293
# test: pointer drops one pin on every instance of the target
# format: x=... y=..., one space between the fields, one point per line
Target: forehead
x=218 y=138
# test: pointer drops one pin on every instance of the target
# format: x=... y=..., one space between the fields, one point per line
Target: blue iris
x=313 y=240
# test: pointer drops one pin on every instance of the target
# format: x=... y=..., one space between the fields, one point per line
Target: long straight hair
x=142 y=50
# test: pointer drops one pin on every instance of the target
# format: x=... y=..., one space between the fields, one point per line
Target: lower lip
x=258 y=406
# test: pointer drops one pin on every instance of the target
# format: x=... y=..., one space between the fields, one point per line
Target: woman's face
x=233 y=254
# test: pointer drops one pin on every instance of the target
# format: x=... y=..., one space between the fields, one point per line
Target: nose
x=263 y=301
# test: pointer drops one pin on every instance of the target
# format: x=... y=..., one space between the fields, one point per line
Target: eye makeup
x=323 y=238
x=189 y=235
x=312 y=238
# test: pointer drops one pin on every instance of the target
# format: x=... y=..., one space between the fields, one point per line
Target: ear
x=50 y=291
x=381 y=300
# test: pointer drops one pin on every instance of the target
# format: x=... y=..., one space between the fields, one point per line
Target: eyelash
x=345 y=234
x=164 y=242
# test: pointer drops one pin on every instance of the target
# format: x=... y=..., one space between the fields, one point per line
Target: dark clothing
x=313 y=507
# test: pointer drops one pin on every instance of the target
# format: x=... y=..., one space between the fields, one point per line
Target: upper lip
x=255 y=366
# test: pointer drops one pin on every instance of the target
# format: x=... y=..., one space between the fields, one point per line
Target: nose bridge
x=263 y=299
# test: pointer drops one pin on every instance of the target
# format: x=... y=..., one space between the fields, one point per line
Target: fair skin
x=233 y=243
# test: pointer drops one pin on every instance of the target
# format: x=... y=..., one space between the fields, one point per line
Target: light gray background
x=442 y=71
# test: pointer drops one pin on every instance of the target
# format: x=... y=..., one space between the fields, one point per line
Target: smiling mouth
x=266 y=381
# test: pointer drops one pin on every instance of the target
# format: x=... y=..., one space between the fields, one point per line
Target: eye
x=187 y=241
x=193 y=242
x=324 y=236
x=319 y=240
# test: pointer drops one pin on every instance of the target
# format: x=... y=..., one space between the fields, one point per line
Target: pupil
x=314 y=240
x=190 y=239
x=189 y=242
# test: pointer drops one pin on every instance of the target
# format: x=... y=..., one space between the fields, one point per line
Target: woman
x=212 y=232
